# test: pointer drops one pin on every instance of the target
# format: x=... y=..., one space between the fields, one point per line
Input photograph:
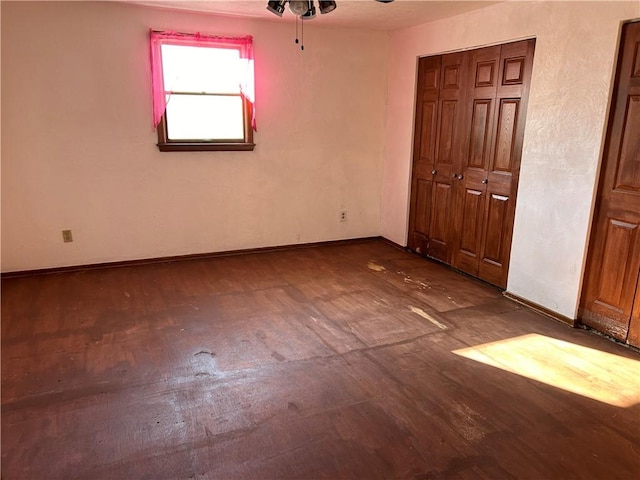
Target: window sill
x=205 y=147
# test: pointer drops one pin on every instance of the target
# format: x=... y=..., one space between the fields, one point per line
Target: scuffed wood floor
x=347 y=361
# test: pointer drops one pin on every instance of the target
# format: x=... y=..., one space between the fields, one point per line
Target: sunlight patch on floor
x=601 y=376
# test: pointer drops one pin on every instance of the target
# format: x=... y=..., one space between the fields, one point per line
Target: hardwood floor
x=352 y=361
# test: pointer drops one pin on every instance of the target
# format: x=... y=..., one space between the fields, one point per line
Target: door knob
x=460 y=177
x=455 y=175
x=485 y=181
x=433 y=172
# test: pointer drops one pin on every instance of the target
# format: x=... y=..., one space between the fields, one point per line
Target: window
x=202 y=91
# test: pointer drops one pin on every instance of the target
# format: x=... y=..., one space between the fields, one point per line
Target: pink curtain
x=161 y=97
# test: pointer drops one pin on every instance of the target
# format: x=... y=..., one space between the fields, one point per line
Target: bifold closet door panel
x=514 y=75
x=437 y=148
x=424 y=153
x=449 y=141
x=478 y=127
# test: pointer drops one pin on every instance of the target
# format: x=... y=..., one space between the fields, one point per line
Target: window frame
x=165 y=144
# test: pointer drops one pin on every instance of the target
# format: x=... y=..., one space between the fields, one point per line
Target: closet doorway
x=469 y=126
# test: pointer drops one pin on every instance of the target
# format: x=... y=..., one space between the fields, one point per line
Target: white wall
x=79 y=152
x=570 y=89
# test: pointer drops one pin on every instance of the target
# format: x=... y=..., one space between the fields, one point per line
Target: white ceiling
x=367 y=14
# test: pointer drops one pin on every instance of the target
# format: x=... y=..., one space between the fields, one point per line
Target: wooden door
x=485 y=204
x=424 y=153
x=449 y=139
x=437 y=147
x=610 y=295
x=471 y=191
x=516 y=62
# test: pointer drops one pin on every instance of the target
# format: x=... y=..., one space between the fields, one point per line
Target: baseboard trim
x=394 y=244
x=540 y=309
x=182 y=258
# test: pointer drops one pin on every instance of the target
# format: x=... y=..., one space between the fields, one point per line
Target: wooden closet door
x=501 y=182
x=471 y=191
x=424 y=148
x=468 y=142
x=436 y=149
x=613 y=262
x=449 y=138
x=485 y=203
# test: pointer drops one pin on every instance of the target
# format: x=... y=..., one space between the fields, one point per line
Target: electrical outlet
x=342 y=215
x=66 y=236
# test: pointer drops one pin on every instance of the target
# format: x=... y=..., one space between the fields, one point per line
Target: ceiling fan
x=305 y=9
